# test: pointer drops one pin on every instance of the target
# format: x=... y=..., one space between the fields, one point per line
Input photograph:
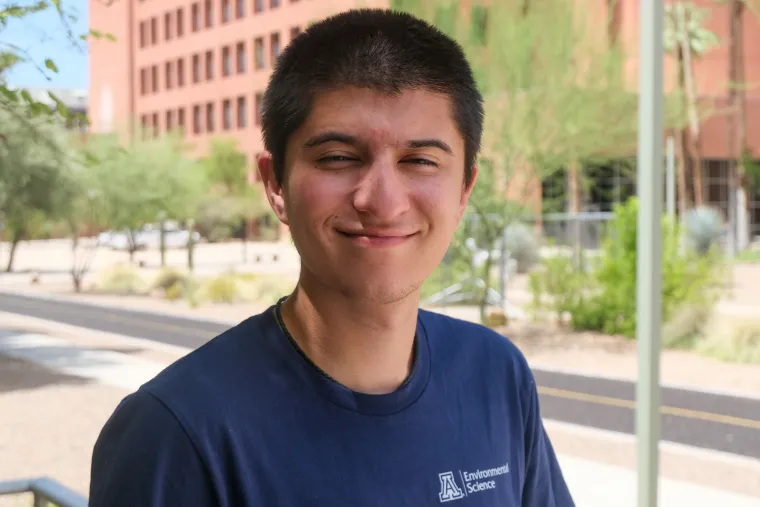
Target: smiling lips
x=376 y=238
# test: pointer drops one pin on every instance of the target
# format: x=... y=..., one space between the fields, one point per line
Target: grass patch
x=121 y=279
x=731 y=340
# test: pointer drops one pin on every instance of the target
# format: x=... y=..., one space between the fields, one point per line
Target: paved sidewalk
x=593 y=484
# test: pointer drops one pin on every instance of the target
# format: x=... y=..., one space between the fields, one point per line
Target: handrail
x=45 y=491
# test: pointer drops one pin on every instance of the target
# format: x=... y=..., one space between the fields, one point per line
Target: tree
x=19 y=103
x=687 y=39
x=555 y=97
x=737 y=133
x=141 y=181
x=33 y=161
x=231 y=200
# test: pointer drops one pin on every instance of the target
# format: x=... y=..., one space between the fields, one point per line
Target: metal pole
x=671 y=179
x=649 y=246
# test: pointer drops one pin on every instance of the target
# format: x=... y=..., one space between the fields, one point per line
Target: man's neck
x=367 y=347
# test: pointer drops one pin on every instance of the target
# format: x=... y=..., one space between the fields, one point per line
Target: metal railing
x=46 y=492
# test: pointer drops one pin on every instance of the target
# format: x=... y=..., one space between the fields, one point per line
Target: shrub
x=168 y=278
x=522 y=244
x=121 y=279
x=702 y=228
x=221 y=289
x=604 y=298
x=175 y=291
x=731 y=340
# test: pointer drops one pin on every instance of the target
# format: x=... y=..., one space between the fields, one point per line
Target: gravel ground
x=49 y=425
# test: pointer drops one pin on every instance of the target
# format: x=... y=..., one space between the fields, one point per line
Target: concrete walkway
x=592 y=484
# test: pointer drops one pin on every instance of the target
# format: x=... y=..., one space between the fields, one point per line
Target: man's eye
x=420 y=161
x=336 y=158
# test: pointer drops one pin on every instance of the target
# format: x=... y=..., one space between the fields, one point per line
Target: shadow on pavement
x=19 y=375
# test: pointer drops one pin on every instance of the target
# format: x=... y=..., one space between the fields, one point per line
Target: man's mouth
x=376 y=238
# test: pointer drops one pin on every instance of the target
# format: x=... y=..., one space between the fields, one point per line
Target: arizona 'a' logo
x=449 y=489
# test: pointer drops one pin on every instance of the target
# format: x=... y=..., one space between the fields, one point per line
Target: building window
x=144 y=123
x=197 y=120
x=154 y=78
x=143 y=34
x=181 y=119
x=226 y=11
x=239 y=8
x=274 y=46
x=209 y=14
x=257 y=105
x=155 y=124
x=143 y=81
x=169 y=75
x=294 y=32
x=258 y=6
x=241 y=118
x=196 y=68
x=240 y=54
x=195 y=12
x=273 y=4
x=227 y=114
x=153 y=31
x=180 y=73
x=168 y=26
x=169 y=120
x=210 y=117
x=226 y=61
x=209 y=65
x=258 y=53
x=180 y=22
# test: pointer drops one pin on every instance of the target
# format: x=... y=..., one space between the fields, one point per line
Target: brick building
x=203 y=65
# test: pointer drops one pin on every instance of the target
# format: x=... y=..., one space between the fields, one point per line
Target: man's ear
x=272 y=188
x=466 y=191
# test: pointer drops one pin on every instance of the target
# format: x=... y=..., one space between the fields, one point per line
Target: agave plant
x=703 y=227
x=521 y=243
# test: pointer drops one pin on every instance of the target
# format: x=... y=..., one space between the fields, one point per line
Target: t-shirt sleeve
x=544 y=485
x=144 y=457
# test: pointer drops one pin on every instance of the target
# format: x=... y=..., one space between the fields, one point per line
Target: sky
x=43 y=35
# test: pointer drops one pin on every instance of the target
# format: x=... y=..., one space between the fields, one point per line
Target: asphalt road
x=719 y=422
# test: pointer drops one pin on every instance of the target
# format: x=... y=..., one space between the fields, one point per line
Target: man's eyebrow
x=430 y=143
x=331 y=136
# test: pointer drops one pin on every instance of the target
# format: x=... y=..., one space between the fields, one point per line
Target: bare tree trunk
x=683 y=195
x=736 y=133
x=686 y=73
x=15 y=240
x=574 y=205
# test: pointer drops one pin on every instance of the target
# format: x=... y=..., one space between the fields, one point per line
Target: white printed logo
x=449 y=489
x=473 y=482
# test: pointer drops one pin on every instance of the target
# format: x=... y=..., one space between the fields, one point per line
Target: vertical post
x=649 y=246
x=671 y=179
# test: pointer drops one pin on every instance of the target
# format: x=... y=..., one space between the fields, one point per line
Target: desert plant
x=702 y=228
x=168 y=278
x=521 y=242
x=731 y=340
x=604 y=298
x=221 y=289
x=121 y=279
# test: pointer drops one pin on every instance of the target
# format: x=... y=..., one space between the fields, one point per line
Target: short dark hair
x=384 y=50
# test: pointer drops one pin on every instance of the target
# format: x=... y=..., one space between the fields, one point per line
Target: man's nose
x=382 y=192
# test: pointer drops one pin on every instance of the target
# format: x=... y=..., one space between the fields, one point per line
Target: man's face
x=373 y=190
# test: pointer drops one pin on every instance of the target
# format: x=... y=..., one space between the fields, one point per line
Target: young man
x=345 y=394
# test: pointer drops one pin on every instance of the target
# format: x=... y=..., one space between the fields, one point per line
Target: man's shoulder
x=213 y=370
x=468 y=343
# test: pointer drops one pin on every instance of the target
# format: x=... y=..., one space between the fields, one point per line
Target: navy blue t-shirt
x=248 y=420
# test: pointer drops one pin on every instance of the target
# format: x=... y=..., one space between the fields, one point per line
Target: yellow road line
x=549 y=391
x=680 y=412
